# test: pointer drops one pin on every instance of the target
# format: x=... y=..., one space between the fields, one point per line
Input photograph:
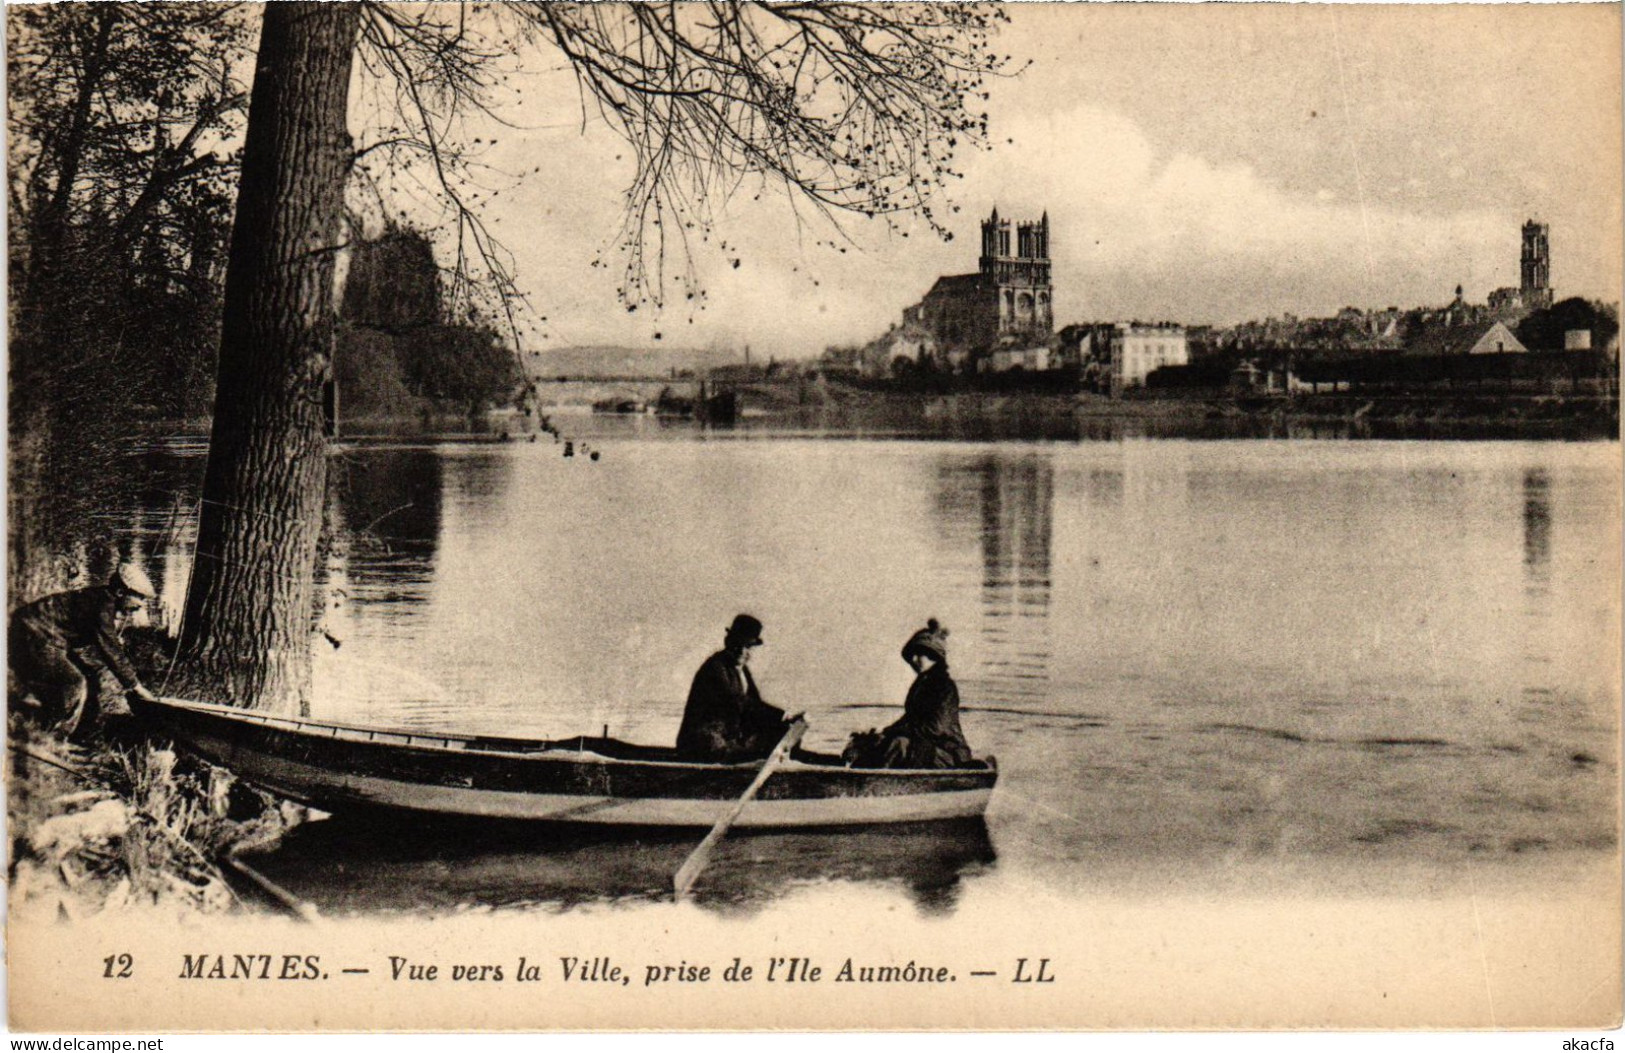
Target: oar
x=697 y=859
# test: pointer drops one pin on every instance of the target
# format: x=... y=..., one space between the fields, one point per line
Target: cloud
x=1211 y=167
x=1139 y=230
x=786 y=285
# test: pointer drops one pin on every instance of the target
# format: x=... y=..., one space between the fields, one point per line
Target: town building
x=1483 y=338
x=1507 y=302
x=1009 y=300
x=1020 y=359
x=1134 y=351
x=901 y=348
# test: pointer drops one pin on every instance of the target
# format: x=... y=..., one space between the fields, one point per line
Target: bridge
x=584 y=391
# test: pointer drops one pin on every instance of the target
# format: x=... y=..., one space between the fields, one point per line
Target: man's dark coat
x=726 y=719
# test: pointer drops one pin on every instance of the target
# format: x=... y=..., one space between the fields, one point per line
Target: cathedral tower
x=1020 y=278
x=1536 y=285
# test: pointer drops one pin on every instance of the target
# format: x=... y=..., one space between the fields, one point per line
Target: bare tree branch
x=852 y=108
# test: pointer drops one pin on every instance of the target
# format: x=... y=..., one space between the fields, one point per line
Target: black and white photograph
x=813 y=516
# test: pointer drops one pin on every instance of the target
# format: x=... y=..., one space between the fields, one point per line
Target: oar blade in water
x=697 y=859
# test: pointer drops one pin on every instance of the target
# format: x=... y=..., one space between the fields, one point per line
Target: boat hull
x=591 y=781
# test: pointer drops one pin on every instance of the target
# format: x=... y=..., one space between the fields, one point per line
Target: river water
x=1202 y=665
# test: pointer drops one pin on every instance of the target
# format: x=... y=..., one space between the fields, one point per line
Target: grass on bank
x=122 y=823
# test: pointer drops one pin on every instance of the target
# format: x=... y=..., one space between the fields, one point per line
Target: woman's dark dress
x=930 y=723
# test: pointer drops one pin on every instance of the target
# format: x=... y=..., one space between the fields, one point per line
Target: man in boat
x=59 y=647
x=726 y=719
x=928 y=734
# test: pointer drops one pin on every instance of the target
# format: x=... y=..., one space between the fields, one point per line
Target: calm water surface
x=1201 y=665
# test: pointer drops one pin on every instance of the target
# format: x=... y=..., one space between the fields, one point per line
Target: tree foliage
x=120 y=189
x=1544 y=330
x=463 y=364
x=393 y=282
x=397 y=328
x=120 y=180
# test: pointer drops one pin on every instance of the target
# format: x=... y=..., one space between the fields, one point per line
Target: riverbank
x=1048 y=411
x=119 y=823
x=1443 y=415
x=1087 y=416
x=876 y=409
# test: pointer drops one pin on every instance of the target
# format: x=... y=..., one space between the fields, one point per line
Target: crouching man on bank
x=58 y=648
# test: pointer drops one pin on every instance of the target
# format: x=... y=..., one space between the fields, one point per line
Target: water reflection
x=1011 y=502
x=1103 y=487
x=384 y=510
x=1537 y=692
x=389 y=507
x=366 y=864
x=166 y=555
x=478 y=473
x=151 y=521
x=1537 y=525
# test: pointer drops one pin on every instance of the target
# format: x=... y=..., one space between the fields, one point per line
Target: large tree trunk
x=246 y=638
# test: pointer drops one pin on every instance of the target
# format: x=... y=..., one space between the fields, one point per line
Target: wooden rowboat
x=578 y=780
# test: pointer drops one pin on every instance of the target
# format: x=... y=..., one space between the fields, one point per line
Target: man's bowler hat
x=745 y=631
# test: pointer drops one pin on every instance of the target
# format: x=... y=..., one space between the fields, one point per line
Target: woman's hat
x=931 y=641
x=745 y=631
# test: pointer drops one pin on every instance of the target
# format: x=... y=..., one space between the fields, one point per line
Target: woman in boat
x=928 y=734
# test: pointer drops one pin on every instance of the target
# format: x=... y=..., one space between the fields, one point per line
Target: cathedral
x=1009 y=300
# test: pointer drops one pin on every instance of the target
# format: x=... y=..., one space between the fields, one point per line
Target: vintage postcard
x=813 y=516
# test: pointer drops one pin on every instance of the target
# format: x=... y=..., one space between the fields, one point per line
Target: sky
x=1205 y=164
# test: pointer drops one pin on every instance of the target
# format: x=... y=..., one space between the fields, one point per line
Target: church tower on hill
x=1534 y=290
x=1536 y=268
x=1006 y=302
x=1020 y=278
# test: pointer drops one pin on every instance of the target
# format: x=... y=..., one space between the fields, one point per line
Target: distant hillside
x=625 y=361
